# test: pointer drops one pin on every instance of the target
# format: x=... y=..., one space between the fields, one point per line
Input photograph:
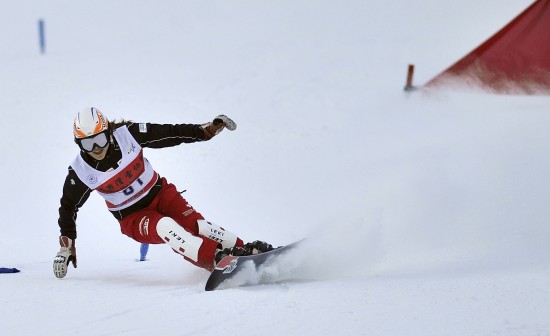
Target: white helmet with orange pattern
x=90 y=129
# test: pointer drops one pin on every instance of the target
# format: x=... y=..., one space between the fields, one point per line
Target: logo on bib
x=92 y=179
x=132 y=148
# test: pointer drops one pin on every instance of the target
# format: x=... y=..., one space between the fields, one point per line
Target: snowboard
x=235 y=271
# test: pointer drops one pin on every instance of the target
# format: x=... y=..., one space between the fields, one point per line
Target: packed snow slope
x=424 y=213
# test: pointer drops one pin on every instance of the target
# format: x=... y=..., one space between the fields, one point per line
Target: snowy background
x=426 y=214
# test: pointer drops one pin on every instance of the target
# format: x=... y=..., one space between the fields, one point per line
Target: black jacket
x=76 y=193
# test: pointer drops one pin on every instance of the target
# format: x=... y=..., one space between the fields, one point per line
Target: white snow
x=426 y=214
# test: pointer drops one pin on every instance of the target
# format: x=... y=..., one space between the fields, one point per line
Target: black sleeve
x=75 y=194
x=165 y=135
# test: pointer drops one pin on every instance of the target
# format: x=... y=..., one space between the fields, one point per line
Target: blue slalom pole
x=143 y=251
x=42 y=36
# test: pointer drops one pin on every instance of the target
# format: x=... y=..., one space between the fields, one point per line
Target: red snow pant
x=142 y=225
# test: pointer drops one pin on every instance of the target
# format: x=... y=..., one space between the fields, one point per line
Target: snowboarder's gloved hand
x=66 y=254
x=213 y=128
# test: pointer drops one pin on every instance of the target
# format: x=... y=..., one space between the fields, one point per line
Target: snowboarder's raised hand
x=211 y=129
x=66 y=254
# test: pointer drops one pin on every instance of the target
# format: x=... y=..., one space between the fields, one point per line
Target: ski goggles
x=88 y=144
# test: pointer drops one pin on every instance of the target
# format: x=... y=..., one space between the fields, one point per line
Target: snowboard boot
x=257 y=247
x=230 y=251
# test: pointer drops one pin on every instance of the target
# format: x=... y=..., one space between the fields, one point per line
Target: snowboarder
x=148 y=208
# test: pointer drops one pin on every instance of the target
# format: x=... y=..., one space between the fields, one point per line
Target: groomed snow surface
x=424 y=213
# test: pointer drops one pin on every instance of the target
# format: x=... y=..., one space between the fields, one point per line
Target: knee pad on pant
x=179 y=239
x=216 y=233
